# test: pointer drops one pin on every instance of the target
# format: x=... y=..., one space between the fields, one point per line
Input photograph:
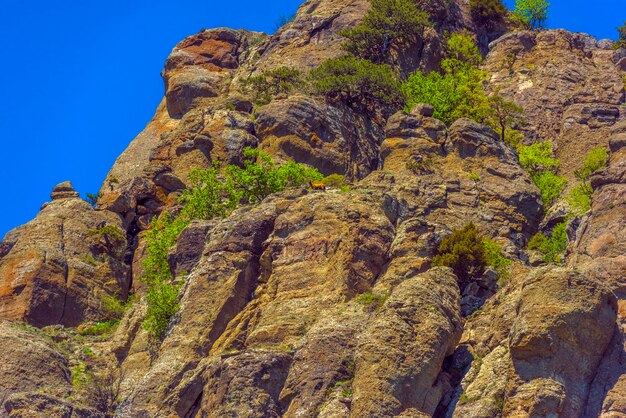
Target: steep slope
x=327 y=303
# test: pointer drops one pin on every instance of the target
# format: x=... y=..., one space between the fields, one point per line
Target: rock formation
x=327 y=304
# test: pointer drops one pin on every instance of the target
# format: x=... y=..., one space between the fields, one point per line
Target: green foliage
x=80 y=375
x=388 y=25
x=261 y=177
x=336 y=181
x=505 y=115
x=271 y=83
x=531 y=12
x=540 y=163
x=209 y=196
x=92 y=198
x=474 y=177
x=372 y=301
x=537 y=157
x=594 y=161
x=420 y=166
x=552 y=247
x=283 y=20
x=487 y=13
x=459 y=91
x=550 y=185
x=579 y=197
x=114 y=308
x=159 y=239
x=357 y=82
x=163 y=304
x=91 y=260
x=213 y=194
x=496 y=260
x=110 y=233
x=464 y=252
x=99 y=328
x=621 y=40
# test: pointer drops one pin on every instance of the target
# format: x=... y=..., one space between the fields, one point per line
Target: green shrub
x=464 y=252
x=538 y=157
x=550 y=185
x=212 y=195
x=372 y=301
x=336 y=181
x=99 y=328
x=283 y=20
x=163 y=304
x=532 y=13
x=114 y=308
x=505 y=115
x=487 y=13
x=594 y=161
x=552 y=247
x=621 y=40
x=271 y=83
x=579 y=198
x=92 y=198
x=459 y=91
x=388 y=25
x=261 y=177
x=110 y=233
x=540 y=163
x=357 y=83
x=496 y=260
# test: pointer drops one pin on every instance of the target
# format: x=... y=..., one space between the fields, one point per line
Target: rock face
x=569 y=85
x=327 y=304
x=57 y=268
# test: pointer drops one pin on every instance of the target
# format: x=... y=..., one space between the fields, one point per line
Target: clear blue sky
x=80 y=78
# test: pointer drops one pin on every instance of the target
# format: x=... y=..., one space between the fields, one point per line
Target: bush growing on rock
x=487 y=13
x=552 y=247
x=532 y=13
x=357 y=82
x=579 y=198
x=459 y=91
x=271 y=83
x=464 y=252
x=541 y=165
x=495 y=258
x=387 y=25
x=213 y=194
x=621 y=40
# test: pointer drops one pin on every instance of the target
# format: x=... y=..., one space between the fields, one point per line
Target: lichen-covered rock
x=57 y=268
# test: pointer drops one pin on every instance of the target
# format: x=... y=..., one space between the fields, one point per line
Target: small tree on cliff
x=621 y=41
x=487 y=13
x=532 y=13
x=388 y=24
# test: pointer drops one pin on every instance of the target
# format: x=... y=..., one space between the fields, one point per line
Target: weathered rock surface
x=56 y=268
x=567 y=83
x=316 y=304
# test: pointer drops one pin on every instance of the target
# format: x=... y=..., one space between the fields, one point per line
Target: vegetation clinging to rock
x=531 y=13
x=551 y=247
x=487 y=13
x=271 y=83
x=357 y=82
x=387 y=25
x=213 y=194
x=541 y=164
x=464 y=252
x=579 y=197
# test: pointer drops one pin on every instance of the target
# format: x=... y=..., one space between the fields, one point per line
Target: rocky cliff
x=327 y=304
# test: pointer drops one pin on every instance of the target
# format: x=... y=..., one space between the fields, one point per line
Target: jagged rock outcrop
x=57 y=268
x=326 y=304
x=570 y=87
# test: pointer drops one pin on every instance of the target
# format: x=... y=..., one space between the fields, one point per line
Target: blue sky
x=80 y=78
